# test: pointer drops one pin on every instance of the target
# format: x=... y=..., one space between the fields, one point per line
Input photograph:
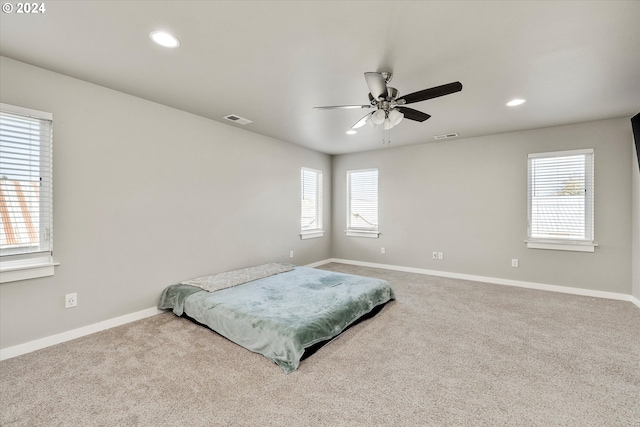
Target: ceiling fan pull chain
x=386 y=137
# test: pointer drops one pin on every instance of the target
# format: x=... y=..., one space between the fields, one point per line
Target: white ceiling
x=272 y=61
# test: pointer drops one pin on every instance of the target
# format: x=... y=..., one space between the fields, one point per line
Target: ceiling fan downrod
x=389 y=108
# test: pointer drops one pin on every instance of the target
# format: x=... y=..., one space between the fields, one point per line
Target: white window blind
x=362 y=201
x=26 y=235
x=311 y=200
x=561 y=197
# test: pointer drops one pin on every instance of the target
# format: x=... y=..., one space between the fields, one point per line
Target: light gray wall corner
x=467 y=198
x=635 y=218
x=145 y=196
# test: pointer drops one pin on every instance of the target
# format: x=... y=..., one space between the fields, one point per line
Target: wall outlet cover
x=70 y=300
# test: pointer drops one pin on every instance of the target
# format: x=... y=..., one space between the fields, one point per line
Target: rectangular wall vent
x=446 y=136
x=237 y=119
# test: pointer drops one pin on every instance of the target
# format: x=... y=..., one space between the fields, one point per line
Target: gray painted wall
x=468 y=199
x=145 y=196
x=635 y=197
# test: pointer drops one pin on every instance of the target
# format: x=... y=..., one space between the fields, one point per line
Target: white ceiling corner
x=273 y=61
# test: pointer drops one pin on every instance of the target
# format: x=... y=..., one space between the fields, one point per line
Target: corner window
x=311 y=204
x=560 y=201
x=362 y=203
x=26 y=223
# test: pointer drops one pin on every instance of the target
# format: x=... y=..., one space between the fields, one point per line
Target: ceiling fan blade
x=377 y=84
x=362 y=121
x=411 y=114
x=343 y=107
x=433 y=92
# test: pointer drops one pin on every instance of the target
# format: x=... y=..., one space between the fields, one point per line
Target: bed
x=278 y=315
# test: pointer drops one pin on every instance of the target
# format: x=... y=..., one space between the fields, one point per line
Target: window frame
x=318 y=231
x=370 y=232
x=586 y=244
x=29 y=265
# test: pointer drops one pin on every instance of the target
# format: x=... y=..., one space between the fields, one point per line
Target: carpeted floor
x=446 y=353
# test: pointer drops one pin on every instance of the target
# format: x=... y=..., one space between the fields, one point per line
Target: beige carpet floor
x=446 y=353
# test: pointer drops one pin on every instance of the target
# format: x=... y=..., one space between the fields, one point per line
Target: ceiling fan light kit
x=389 y=108
x=378 y=117
x=395 y=117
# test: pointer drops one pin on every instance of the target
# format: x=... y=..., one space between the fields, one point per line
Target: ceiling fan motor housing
x=388 y=108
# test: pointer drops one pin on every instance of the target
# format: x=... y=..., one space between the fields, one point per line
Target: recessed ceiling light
x=164 y=39
x=351 y=132
x=515 y=102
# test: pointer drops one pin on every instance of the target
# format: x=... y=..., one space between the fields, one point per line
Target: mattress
x=281 y=315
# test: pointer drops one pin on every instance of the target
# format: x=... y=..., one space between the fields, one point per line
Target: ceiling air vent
x=446 y=136
x=237 y=119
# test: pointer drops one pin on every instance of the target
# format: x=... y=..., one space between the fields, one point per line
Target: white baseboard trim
x=9 y=352
x=318 y=263
x=28 y=347
x=494 y=280
x=38 y=344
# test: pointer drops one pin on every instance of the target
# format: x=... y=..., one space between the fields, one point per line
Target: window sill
x=311 y=234
x=562 y=246
x=362 y=233
x=16 y=272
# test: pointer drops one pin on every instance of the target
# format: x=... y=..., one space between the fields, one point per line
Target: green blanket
x=282 y=315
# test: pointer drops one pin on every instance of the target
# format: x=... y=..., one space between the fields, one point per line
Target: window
x=26 y=234
x=362 y=203
x=311 y=204
x=561 y=201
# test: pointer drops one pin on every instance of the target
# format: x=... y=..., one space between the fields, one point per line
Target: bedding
x=281 y=315
x=216 y=282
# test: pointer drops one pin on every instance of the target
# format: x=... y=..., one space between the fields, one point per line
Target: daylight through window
x=25 y=187
x=362 y=203
x=311 y=203
x=561 y=197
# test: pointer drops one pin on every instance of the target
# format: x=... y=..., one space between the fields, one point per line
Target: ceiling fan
x=389 y=108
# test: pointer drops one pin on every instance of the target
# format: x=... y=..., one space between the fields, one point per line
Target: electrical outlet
x=440 y=255
x=435 y=255
x=383 y=251
x=70 y=300
x=514 y=262
x=290 y=254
